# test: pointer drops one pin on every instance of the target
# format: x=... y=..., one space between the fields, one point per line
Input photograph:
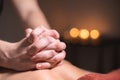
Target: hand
x=18 y=58
x=50 y=55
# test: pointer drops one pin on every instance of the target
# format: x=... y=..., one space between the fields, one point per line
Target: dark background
x=62 y=15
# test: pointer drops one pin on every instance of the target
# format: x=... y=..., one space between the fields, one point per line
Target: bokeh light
x=94 y=34
x=74 y=32
x=84 y=34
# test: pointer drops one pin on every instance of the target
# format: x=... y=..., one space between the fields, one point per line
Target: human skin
x=30 y=13
x=31 y=16
x=65 y=71
x=33 y=51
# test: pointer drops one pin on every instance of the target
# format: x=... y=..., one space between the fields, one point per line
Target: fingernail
x=39 y=66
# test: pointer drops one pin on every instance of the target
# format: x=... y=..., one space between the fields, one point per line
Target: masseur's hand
x=51 y=54
x=39 y=49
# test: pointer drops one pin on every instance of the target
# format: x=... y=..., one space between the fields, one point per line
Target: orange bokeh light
x=74 y=32
x=84 y=34
x=94 y=34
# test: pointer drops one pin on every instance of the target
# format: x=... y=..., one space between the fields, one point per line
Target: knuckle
x=33 y=33
x=55 y=31
x=52 y=52
x=59 y=46
x=64 y=54
x=64 y=45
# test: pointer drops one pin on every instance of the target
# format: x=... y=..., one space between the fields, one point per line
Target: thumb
x=28 y=32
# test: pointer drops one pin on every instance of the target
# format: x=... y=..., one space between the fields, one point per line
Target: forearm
x=30 y=13
x=4 y=46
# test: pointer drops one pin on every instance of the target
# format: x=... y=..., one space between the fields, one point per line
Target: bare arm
x=33 y=17
x=4 y=48
x=30 y=13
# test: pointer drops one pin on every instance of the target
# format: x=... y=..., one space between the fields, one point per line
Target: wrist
x=2 y=52
x=2 y=61
x=5 y=48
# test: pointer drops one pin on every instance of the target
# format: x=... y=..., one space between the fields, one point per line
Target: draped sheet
x=114 y=75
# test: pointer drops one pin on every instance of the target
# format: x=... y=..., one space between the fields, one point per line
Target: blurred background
x=90 y=28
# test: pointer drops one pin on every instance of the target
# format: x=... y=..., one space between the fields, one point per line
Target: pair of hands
x=40 y=49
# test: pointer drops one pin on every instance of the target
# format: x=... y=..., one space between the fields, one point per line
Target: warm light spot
x=94 y=34
x=74 y=32
x=84 y=34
